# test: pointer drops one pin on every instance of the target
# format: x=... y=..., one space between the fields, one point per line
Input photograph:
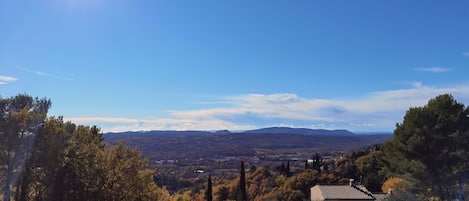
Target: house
x=349 y=192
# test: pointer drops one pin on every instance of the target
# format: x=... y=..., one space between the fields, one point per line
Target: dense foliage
x=426 y=160
x=45 y=158
x=430 y=149
x=279 y=183
x=20 y=118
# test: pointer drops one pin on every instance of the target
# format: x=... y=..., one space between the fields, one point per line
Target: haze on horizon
x=235 y=65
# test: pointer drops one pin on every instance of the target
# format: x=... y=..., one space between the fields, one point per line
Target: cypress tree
x=317 y=162
x=242 y=196
x=283 y=169
x=208 y=192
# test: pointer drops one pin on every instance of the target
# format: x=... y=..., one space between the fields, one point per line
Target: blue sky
x=209 y=65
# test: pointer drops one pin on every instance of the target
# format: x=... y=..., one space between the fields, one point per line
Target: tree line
x=426 y=160
x=48 y=159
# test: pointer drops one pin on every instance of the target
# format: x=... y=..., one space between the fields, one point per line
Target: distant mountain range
x=269 y=130
x=304 y=131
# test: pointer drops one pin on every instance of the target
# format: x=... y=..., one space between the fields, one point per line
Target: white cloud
x=377 y=111
x=433 y=69
x=112 y=124
x=6 y=79
x=44 y=74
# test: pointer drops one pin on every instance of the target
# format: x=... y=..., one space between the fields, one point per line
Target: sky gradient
x=237 y=65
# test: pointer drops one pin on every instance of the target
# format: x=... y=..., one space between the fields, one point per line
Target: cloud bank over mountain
x=377 y=111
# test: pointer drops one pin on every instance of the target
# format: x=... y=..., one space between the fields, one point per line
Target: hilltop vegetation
x=181 y=156
x=267 y=183
x=426 y=160
x=430 y=149
x=45 y=158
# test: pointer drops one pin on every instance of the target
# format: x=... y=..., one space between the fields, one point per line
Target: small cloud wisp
x=433 y=69
x=6 y=79
x=44 y=74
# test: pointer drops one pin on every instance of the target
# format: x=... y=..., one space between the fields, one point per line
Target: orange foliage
x=396 y=184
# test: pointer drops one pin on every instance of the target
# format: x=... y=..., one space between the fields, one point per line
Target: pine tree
x=20 y=119
x=430 y=149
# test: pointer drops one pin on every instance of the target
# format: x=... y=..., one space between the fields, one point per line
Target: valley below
x=185 y=156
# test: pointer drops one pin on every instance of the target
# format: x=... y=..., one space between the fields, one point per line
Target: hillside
x=174 y=145
x=304 y=131
x=180 y=157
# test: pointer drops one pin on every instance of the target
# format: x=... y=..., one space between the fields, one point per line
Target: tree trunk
x=23 y=188
x=7 y=187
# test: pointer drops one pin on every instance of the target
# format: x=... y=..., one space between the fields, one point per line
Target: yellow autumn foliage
x=396 y=184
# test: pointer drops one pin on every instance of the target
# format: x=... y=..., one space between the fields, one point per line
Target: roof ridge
x=363 y=191
x=326 y=184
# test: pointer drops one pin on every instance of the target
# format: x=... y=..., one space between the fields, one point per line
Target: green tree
x=95 y=172
x=260 y=182
x=49 y=159
x=402 y=196
x=302 y=182
x=369 y=167
x=317 y=162
x=82 y=174
x=127 y=175
x=242 y=194
x=20 y=118
x=223 y=193
x=208 y=192
x=46 y=158
x=346 y=167
x=429 y=147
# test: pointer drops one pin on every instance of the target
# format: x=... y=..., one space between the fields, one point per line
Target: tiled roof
x=340 y=192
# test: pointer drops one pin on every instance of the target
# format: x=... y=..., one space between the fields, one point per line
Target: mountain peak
x=304 y=131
